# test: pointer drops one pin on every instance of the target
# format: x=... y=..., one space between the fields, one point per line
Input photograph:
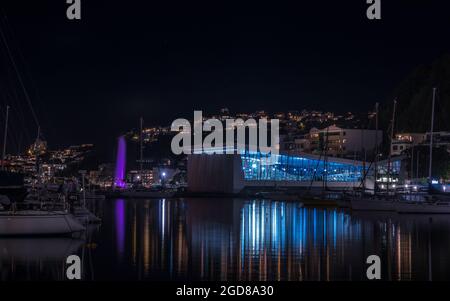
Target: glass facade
x=388 y=174
x=258 y=166
x=394 y=168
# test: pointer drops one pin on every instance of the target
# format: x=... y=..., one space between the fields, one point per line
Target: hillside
x=414 y=95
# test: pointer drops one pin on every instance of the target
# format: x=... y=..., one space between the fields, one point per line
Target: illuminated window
x=290 y=168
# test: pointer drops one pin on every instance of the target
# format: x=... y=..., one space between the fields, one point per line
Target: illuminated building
x=39 y=147
x=405 y=141
x=144 y=177
x=232 y=173
x=341 y=142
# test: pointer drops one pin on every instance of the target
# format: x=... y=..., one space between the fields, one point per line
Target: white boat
x=85 y=216
x=39 y=248
x=35 y=222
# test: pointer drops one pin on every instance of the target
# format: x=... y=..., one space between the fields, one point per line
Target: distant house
x=405 y=141
x=341 y=142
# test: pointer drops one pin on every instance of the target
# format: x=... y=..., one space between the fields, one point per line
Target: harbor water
x=234 y=240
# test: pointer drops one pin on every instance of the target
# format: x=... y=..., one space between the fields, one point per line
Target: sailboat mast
x=431 y=135
x=36 y=154
x=141 y=145
x=4 y=137
x=376 y=148
x=390 y=148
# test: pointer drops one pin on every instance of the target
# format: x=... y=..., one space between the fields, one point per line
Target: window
x=293 y=168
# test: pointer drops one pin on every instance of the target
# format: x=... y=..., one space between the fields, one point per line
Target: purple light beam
x=119 y=180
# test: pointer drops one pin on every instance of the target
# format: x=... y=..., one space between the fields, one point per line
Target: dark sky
x=90 y=80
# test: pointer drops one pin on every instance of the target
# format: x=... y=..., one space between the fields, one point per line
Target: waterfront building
x=341 y=142
x=296 y=146
x=405 y=141
x=222 y=173
x=141 y=177
x=39 y=147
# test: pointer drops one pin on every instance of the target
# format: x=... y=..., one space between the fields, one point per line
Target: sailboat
x=16 y=218
x=405 y=204
x=38 y=223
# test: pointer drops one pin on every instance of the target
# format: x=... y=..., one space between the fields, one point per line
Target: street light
x=163 y=177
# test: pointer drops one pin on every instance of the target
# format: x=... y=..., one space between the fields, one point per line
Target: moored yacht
x=18 y=220
x=36 y=222
x=371 y=204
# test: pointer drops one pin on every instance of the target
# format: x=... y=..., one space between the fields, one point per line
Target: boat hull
x=38 y=224
x=38 y=248
x=424 y=208
x=85 y=216
x=401 y=206
x=372 y=205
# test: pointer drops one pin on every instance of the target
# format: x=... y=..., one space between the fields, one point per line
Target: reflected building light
x=134 y=236
x=163 y=217
x=120 y=226
x=146 y=239
x=334 y=228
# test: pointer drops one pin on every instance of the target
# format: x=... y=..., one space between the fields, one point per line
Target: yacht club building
x=220 y=173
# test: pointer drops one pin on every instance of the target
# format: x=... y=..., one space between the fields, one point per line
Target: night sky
x=92 y=79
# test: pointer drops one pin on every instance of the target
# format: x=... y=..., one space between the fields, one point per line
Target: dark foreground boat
x=38 y=223
x=12 y=187
x=17 y=222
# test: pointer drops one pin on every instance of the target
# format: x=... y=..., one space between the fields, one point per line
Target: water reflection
x=231 y=239
x=226 y=239
x=120 y=226
x=35 y=258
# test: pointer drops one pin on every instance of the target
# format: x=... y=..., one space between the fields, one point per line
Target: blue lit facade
x=257 y=167
x=395 y=167
x=221 y=173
